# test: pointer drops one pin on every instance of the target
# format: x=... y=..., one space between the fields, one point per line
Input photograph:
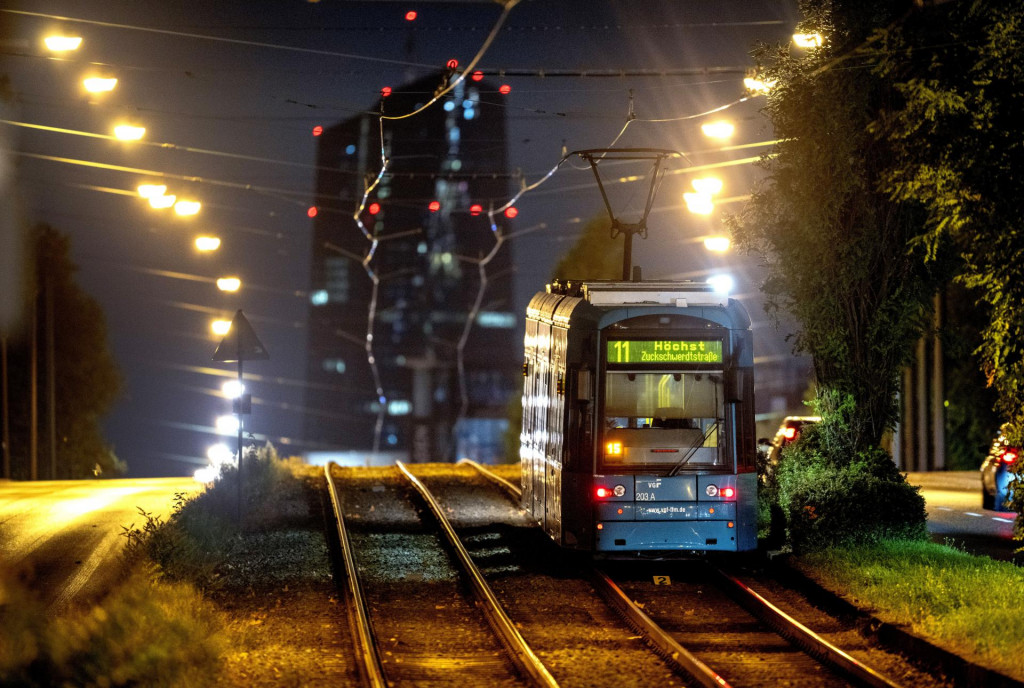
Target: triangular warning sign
x=240 y=343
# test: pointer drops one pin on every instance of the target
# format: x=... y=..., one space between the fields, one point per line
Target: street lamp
x=98 y=84
x=152 y=190
x=721 y=283
x=228 y=425
x=758 y=85
x=207 y=243
x=161 y=202
x=807 y=40
x=718 y=130
x=62 y=44
x=187 y=207
x=129 y=132
x=718 y=244
x=707 y=185
x=699 y=203
x=232 y=389
x=229 y=284
x=220 y=327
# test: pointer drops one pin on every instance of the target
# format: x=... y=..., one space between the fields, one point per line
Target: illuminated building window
x=333 y=365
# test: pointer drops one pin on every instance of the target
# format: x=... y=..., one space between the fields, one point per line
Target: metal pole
x=627 y=255
x=238 y=401
x=51 y=382
x=7 y=409
x=33 y=395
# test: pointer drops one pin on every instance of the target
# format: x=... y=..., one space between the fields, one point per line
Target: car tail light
x=602 y=492
x=727 y=492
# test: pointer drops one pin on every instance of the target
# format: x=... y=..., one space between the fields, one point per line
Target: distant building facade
x=429 y=215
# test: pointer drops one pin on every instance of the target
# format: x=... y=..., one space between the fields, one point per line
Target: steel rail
x=662 y=643
x=659 y=639
x=801 y=636
x=516 y=493
x=521 y=654
x=367 y=654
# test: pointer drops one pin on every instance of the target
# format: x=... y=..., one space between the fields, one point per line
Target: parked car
x=788 y=433
x=996 y=474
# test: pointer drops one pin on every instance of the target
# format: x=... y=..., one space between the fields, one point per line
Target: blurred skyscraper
x=429 y=213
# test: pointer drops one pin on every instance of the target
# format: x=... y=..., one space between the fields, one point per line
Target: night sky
x=229 y=94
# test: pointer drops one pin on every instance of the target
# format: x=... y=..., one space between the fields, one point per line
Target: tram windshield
x=672 y=419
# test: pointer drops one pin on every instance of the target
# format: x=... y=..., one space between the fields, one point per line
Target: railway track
x=414 y=627
x=715 y=630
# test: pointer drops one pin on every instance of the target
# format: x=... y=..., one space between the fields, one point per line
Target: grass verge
x=967 y=604
x=205 y=599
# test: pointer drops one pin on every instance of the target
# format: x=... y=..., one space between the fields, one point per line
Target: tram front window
x=662 y=419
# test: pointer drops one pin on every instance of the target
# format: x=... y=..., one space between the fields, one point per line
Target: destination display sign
x=664 y=351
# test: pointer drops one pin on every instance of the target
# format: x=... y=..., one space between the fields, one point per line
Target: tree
x=958 y=144
x=87 y=379
x=836 y=247
x=594 y=256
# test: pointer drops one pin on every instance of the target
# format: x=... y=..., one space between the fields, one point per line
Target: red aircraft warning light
x=504 y=89
x=434 y=206
x=411 y=15
x=452 y=64
x=385 y=92
x=475 y=209
x=477 y=76
x=373 y=208
x=318 y=130
x=312 y=211
x=511 y=212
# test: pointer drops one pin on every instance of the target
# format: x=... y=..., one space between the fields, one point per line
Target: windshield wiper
x=692 y=449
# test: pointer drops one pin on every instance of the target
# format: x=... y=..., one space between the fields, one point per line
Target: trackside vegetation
x=196 y=602
x=967 y=604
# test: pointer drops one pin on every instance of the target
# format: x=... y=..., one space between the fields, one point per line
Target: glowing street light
x=232 y=389
x=807 y=40
x=161 y=202
x=229 y=284
x=128 y=132
x=228 y=425
x=718 y=244
x=220 y=327
x=757 y=85
x=62 y=44
x=707 y=185
x=721 y=283
x=718 y=130
x=152 y=190
x=699 y=203
x=207 y=243
x=98 y=84
x=220 y=454
x=187 y=207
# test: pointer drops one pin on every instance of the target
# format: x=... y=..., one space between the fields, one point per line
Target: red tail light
x=1009 y=456
x=602 y=492
x=727 y=492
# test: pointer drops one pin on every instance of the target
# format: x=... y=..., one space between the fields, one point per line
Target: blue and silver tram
x=638 y=418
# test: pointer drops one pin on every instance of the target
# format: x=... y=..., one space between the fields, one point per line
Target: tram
x=638 y=418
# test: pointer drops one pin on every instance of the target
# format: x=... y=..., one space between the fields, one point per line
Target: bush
x=827 y=501
x=146 y=632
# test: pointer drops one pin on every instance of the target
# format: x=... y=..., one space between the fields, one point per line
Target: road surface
x=953 y=501
x=61 y=536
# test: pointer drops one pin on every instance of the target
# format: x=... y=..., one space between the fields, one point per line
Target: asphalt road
x=61 y=536
x=955 y=516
